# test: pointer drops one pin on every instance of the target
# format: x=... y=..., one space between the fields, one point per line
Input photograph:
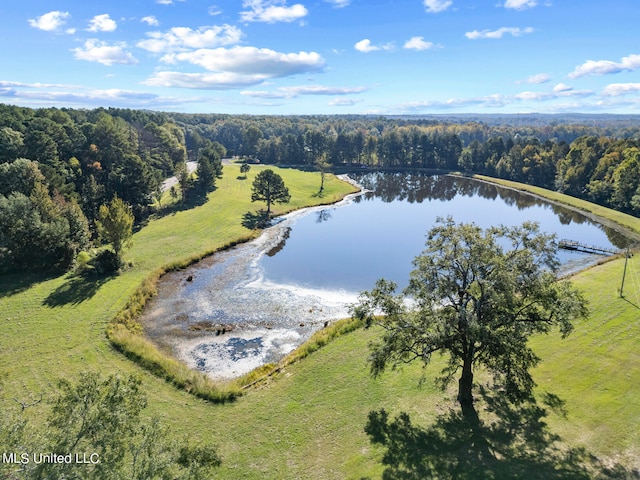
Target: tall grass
x=318 y=339
x=146 y=354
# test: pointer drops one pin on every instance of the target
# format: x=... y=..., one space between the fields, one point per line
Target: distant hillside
x=602 y=120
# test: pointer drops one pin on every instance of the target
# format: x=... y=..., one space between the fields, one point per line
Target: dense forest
x=59 y=166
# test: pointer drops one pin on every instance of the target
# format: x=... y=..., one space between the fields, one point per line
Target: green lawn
x=308 y=421
x=597 y=368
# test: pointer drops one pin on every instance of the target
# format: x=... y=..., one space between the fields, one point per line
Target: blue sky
x=323 y=56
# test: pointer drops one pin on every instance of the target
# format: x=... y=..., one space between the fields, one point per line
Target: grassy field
x=309 y=420
x=56 y=326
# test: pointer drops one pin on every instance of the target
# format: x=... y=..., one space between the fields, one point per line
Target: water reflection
x=281 y=243
x=323 y=215
x=418 y=188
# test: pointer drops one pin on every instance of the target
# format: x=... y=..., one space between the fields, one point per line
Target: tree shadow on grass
x=77 y=289
x=193 y=200
x=319 y=194
x=631 y=303
x=255 y=220
x=13 y=283
x=512 y=442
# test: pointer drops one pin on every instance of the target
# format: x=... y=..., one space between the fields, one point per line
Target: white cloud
x=339 y=3
x=272 y=11
x=235 y=67
x=606 y=67
x=214 y=10
x=496 y=34
x=150 y=20
x=561 y=87
x=559 y=91
x=207 y=81
x=102 y=52
x=492 y=101
x=251 y=61
x=264 y=94
x=183 y=38
x=619 y=89
x=520 y=4
x=365 y=46
x=418 y=43
x=292 y=92
x=343 y=102
x=322 y=90
x=39 y=94
x=537 y=79
x=533 y=96
x=436 y=6
x=102 y=23
x=624 y=105
x=6 y=84
x=50 y=22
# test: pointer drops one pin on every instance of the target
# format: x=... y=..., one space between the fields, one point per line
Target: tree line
x=594 y=162
x=58 y=167
x=598 y=163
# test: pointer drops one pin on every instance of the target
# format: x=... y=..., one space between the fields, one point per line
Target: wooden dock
x=576 y=246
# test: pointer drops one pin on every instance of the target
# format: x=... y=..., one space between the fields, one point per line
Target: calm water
x=381 y=232
x=255 y=303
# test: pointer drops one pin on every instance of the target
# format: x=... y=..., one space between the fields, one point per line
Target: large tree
x=476 y=296
x=269 y=187
x=38 y=231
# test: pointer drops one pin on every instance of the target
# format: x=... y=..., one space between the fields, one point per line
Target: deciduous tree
x=115 y=224
x=37 y=232
x=476 y=296
x=244 y=169
x=102 y=417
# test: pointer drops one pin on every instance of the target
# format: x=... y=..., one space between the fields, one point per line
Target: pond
x=257 y=302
